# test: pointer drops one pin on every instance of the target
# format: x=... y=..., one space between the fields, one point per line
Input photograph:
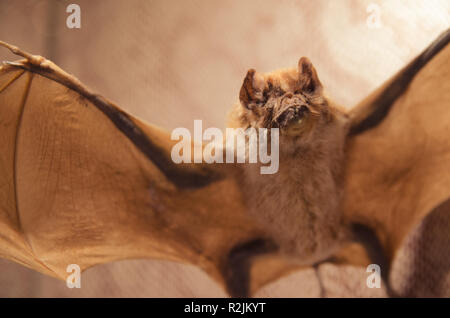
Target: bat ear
x=307 y=77
x=251 y=93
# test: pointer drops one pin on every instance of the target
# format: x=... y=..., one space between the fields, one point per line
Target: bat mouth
x=291 y=117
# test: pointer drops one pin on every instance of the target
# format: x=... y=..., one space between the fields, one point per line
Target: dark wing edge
x=373 y=109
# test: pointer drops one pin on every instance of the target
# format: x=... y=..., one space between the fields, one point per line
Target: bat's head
x=291 y=100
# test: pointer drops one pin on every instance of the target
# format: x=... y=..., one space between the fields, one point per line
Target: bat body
x=82 y=182
x=298 y=205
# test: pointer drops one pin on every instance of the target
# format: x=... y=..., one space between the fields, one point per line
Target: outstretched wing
x=398 y=150
x=83 y=182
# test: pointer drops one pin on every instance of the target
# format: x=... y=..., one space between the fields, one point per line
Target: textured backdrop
x=170 y=62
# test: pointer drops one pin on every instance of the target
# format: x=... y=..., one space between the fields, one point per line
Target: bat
x=299 y=204
x=83 y=182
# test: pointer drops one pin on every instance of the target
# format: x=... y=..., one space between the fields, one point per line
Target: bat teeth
x=293 y=113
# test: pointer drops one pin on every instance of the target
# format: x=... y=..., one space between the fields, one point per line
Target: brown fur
x=298 y=205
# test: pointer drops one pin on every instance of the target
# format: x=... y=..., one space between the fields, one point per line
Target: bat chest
x=298 y=206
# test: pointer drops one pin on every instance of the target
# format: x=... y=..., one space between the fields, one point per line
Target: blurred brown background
x=170 y=62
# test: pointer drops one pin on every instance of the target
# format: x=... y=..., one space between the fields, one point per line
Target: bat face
x=290 y=99
x=294 y=114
